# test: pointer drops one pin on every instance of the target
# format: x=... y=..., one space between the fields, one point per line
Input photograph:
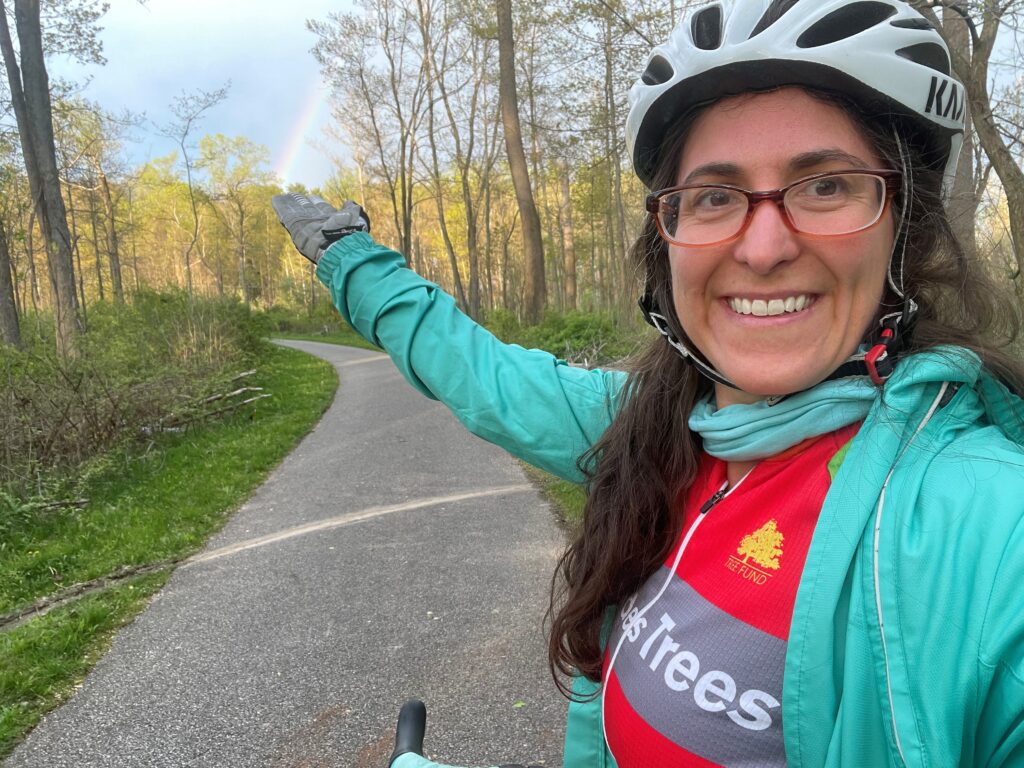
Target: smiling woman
x=803 y=537
x=767 y=260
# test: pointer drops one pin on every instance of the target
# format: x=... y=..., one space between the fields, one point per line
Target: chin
x=754 y=387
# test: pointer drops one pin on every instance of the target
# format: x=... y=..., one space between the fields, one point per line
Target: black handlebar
x=412 y=724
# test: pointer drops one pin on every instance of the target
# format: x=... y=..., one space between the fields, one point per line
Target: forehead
x=763 y=134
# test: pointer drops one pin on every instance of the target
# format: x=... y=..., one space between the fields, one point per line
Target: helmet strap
x=895 y=327
x=652 y=314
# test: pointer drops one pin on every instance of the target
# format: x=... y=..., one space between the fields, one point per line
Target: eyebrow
x=801 y=162
x=728 y=170
x=820 y=156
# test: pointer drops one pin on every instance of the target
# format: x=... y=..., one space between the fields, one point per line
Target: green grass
x=156 y=502
x=344 y=336
x=43 y=661
x=567 y=498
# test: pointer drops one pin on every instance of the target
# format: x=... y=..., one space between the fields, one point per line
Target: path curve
x=392 y=554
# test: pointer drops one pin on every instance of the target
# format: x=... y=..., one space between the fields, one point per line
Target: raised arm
x=537 y=407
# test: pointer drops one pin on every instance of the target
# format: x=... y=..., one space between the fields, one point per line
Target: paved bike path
x=391 y=555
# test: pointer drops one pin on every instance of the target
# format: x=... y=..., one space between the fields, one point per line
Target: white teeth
x=769 y=308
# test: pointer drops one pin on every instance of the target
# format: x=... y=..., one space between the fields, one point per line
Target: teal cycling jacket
x=906 y=646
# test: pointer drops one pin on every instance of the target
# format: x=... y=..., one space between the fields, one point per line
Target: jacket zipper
x=938 y=402
x=716 y=497
x=706 y=507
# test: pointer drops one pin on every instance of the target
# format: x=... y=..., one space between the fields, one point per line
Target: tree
x=188 y=109
x=10 y=331
x=233 y=165
x=89 y=148
x=983 y=20
x=369 y=57
x=536 y=292
x=30 y=97
x=456 y=60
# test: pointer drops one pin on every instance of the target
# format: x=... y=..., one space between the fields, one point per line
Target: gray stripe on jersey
x=702 y=678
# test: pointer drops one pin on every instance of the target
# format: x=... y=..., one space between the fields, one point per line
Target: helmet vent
x=658 y=71
x=706 y=28
x=919 y=23
x=930 y=55
x=846 y=22
x=773 y=14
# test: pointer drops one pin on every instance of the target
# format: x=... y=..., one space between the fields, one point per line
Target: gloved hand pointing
x=314 y=224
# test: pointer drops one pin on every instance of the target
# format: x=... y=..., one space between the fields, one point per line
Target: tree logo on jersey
x=760 y=552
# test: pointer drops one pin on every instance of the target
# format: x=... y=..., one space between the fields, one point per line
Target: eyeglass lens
x=826 y=205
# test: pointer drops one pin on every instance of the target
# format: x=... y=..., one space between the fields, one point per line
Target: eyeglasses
x=824 y=205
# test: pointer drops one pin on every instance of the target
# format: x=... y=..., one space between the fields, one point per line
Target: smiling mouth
x=771 y=307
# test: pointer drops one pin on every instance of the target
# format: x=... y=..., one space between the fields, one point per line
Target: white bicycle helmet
x=882 y=54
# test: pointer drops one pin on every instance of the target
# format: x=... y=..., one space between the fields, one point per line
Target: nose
x=767 y=241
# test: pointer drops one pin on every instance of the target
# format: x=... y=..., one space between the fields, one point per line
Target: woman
x=804 y=530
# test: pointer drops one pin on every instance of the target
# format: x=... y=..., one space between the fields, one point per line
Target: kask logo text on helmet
x=945 y=99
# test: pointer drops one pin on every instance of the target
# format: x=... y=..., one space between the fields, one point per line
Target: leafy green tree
x=234 y=167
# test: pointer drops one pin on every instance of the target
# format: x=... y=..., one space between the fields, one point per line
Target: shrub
x=587 y=338
x=138 y=364
x=323 y=319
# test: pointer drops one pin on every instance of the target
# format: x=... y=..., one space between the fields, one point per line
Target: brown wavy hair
x=639 y=470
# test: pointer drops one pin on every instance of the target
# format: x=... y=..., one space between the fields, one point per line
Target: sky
x=161 y=49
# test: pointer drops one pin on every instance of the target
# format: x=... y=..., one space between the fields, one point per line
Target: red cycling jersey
x=699 y=651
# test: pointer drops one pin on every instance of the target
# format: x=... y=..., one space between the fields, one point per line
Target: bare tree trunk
x=241 y=256
x=460 y=293
x=536 y=292
x=95 y=226
x=131 y=227
x=76 y=252
x=112 y=248
x=31 y=256
x=488 y=253
x=617 y=240
x=10 y=331
x=568 y=244
x=30 y=96
x=963 y=203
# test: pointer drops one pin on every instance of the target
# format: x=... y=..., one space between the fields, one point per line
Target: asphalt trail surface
x=391 y=555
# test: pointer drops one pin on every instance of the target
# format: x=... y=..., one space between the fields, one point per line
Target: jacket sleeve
x=537 y=407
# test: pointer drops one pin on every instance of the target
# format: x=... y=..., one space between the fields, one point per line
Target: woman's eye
x=827 y=187
x=713 y=198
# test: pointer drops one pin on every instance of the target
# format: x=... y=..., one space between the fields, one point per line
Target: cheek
x=690 y=270
x=862 y=271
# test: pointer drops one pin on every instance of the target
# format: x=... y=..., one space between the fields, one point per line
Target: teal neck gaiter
x=752 y=432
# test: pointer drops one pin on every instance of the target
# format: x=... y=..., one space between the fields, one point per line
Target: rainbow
x=296 y=137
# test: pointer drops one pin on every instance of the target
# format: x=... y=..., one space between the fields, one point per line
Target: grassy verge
x=44 y=659
x=567 y=498
x=158 y=502
x=344 y=336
